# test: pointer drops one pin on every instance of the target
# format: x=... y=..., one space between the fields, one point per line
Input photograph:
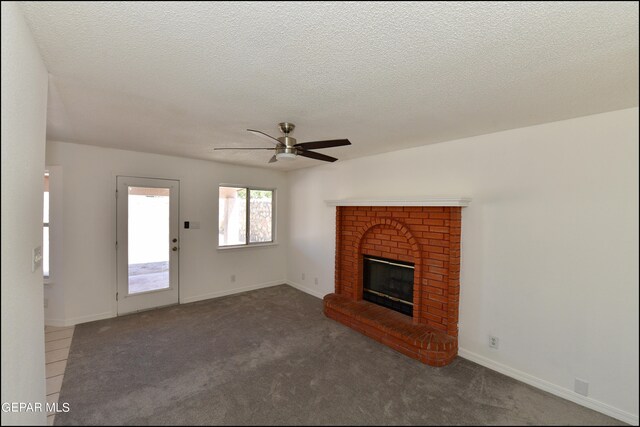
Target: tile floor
x=57 y=341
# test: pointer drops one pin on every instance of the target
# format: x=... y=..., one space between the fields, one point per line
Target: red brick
x=412 y=221
x=432 y=303
x=437 y=284
x=399 y=251
x=438 y=236
x=438 y=298
x=439 y=215
x=433 y=249
x=436 y=311
x=441 y=257
x=431 y=290
x=437 y=270
x=433 y=318
x=435 y=262
x=434 y=276
x=438 y=229
x=442 y=243
x=421 y=215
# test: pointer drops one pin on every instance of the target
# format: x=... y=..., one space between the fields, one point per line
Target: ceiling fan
x=287 y=148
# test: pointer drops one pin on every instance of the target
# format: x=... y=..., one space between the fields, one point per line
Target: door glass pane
x=232 y=216
x=149 y=245
x=260 y=216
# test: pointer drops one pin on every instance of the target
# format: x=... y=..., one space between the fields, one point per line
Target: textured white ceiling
x=181 y=78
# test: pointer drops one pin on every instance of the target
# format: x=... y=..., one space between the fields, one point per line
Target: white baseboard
x=305 y=289
x=107 y=315
x=56 y=322
x=219 y=294
x=550 y=387
x=77 y=320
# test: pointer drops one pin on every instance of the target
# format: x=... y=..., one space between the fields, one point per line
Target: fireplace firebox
x=388 y=283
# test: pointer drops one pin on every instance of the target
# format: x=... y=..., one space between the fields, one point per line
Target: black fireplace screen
x=388 y=283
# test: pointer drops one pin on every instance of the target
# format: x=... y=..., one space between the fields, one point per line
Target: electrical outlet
x=303 y=276
x=233 y=278
x=315 y=281
x=581 y=387
x=494 y=342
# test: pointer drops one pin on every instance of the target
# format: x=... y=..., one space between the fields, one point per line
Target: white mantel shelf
x=426 y=201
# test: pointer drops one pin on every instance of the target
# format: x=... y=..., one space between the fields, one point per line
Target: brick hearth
x=427 y=236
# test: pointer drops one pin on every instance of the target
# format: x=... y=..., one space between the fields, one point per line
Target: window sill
x=253 y=245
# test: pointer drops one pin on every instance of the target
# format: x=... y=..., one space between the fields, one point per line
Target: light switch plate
x=36 y=259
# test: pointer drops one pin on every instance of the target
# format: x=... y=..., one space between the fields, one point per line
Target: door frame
x=155 y=298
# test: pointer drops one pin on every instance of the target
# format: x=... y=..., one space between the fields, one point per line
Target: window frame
x=248 y=242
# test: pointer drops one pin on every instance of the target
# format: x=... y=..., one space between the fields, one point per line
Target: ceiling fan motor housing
x=287 y=141
x=286 y=128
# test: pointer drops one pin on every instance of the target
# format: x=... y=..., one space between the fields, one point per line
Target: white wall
x=89 y=256
x=549 y=245
x=24 y=102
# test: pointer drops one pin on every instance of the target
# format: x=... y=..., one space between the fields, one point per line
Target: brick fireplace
x=425 y=237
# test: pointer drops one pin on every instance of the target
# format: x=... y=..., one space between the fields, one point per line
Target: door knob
x=175 y=248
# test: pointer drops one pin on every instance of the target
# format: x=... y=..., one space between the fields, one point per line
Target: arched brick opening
x=407 y=250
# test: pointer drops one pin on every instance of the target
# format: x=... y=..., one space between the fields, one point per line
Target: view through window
x=245 y=216
x=148 y=239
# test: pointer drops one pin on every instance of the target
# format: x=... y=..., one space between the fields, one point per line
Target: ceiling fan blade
x=317 y=156
x=244 y=148
x=273 y=159
x=263 y=135
x=314 y=145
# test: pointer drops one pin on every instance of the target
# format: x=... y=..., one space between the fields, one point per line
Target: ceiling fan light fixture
x=285 y=156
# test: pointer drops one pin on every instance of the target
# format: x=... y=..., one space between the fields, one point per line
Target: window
x=45 y=228
x=245 y=216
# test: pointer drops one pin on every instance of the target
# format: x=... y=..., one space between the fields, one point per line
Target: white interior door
x=147 y=243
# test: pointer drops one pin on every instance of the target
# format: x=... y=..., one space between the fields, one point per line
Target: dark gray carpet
x=271 y=357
